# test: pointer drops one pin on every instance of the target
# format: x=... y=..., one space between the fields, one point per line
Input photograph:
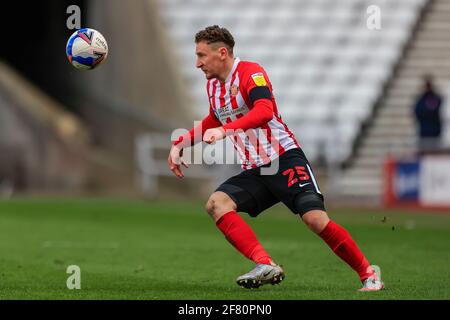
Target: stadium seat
x=324 y=63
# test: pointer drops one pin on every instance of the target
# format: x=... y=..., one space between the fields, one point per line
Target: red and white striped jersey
x=230 y=101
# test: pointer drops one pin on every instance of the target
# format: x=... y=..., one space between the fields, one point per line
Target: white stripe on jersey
x=238 y=149
x=217 y=95
x=284 y=138
x=267 y=147
x=228 y=96
x=253 y=154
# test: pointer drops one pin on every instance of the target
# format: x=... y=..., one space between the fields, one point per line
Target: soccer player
x=242 y=107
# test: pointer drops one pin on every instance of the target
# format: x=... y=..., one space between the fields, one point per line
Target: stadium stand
x=328 y=69
x=42 y=146
x=392 y=130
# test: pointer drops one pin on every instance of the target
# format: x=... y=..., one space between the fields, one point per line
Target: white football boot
x=373 y=283
x=261 y=274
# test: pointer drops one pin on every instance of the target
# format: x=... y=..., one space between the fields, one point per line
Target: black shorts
x=253 y=191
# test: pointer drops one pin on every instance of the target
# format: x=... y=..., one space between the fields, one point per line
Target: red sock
x=342 y=244
x=241 y=236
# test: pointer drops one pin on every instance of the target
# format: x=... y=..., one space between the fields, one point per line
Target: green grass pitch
x=135 y=249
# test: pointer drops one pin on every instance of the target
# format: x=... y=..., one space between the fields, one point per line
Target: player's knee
x=307 y=201
x=316 y=220
x=218 y=204
x=209 y=207
x=311 y=208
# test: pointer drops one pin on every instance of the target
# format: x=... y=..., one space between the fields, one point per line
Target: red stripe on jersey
x=241 y=144
x=238 y=142
x=222 y=94
x=233 y=101
x=260 y=151
x=274 y=142
x=288 y=131
x=237 y=138
x=214 y=94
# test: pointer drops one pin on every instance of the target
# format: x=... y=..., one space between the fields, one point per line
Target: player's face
x=210 y=59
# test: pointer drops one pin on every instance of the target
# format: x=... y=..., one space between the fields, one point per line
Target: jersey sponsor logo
x=234 y=90
x=259 y=79
x=227 y=111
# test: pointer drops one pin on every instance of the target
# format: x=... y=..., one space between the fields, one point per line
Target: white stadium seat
x=324 y=63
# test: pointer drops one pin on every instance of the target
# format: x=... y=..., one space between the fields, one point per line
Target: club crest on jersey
x=259 y=79
x=234 y=90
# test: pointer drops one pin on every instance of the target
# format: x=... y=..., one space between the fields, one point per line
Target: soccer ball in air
x=86 y=49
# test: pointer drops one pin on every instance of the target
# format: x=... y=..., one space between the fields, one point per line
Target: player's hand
x=213 y=135
x=175 y=160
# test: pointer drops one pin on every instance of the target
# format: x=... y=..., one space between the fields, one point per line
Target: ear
x=223 y=52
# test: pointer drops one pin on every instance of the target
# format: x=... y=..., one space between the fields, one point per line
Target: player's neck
x=226 y=72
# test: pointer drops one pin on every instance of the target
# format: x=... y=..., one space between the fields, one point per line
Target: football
x=86 y=49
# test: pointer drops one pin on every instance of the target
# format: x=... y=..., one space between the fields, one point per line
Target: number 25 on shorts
x=295 y=174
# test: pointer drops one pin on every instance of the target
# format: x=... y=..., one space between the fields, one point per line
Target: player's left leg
x=342 y=244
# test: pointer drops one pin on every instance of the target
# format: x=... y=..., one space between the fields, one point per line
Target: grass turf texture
x=131 y=249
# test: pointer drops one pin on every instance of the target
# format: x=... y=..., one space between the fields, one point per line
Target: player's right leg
x=341 y=243
x=296 y=186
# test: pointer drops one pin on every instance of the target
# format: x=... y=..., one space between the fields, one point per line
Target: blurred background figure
x=428 y=115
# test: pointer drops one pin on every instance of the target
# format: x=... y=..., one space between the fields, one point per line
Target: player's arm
x=260 y=114
x=189 y=139
x=195 y=134
x=260 y=97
